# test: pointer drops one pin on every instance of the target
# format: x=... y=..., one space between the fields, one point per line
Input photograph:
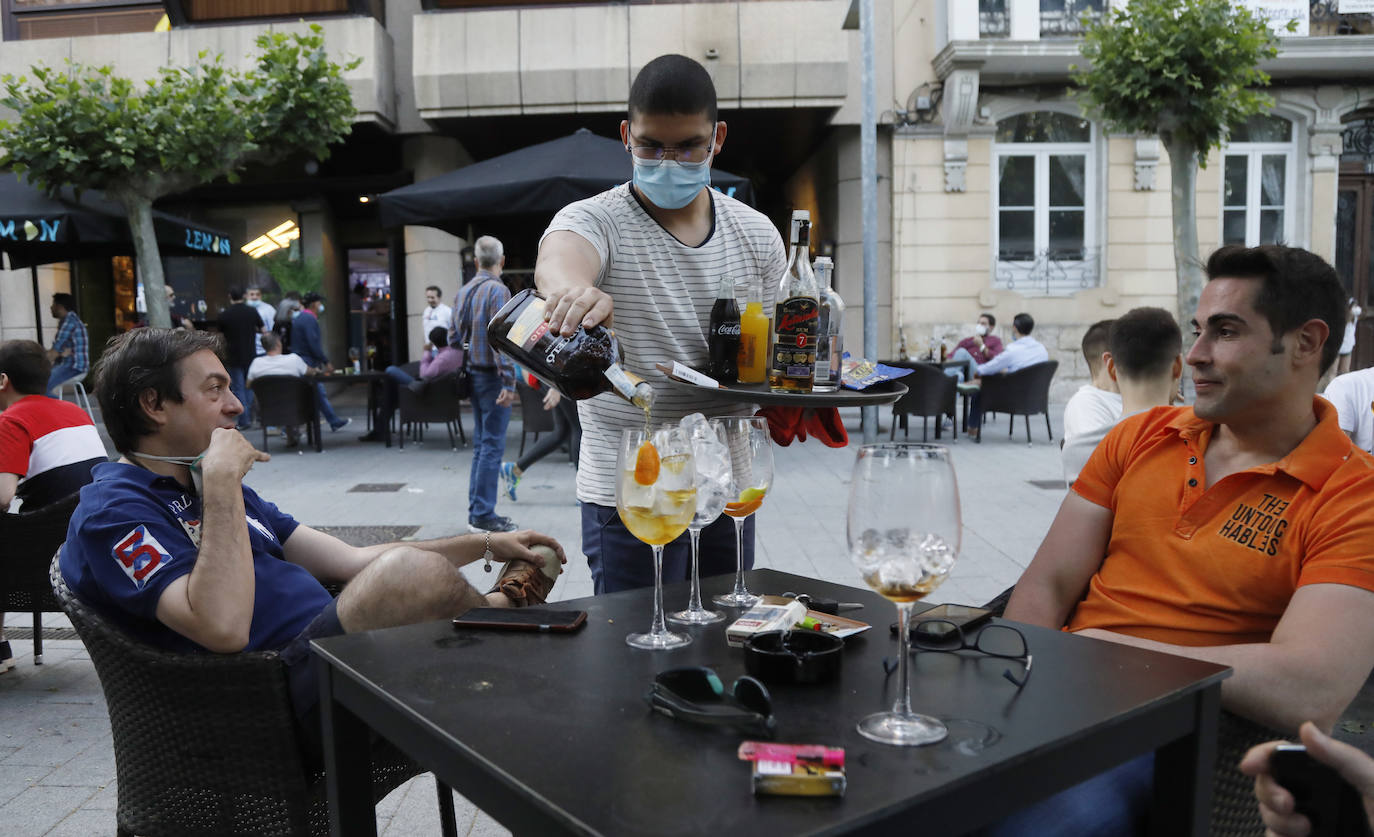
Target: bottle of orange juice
x=754 y=329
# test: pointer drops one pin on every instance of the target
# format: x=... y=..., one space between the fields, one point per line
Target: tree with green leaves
x=1187 y=71
x=85 y=127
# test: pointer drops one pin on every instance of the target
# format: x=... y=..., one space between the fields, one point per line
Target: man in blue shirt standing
x=169 y=543
x=493 y=382
x=306 y=342
x=70 y=353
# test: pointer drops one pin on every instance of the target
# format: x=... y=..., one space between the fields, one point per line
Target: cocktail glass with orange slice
x=751 y=466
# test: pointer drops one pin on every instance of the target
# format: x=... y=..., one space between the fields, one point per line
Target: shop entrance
x=1355 y=229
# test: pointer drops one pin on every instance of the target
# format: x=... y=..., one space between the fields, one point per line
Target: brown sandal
x=525 y=583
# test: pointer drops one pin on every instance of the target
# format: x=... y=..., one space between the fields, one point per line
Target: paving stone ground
x=57 y=773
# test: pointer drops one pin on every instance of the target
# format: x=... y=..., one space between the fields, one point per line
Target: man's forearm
x=1270 y=684
x=221 y=591
x=459 y=549
x=1036 y=603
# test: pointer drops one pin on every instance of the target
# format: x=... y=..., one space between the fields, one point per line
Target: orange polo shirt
x=1217 y=566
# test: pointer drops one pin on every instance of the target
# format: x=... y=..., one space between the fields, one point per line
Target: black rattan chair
x=533 y=417
x=1025 y=392
x=440 y=400
x=30 y=540
x=207 y=744
x=287 y=401
x=929 y=392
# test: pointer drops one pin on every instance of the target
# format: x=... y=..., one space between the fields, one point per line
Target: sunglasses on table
x=697 y=694
x=1001 y=641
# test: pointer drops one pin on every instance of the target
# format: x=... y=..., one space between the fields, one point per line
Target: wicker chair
x=533 y=417
x=930 y=392
x=287 y=401
x=1025 y=392
x=441 y=400
x=207 y=744
x=30 y=541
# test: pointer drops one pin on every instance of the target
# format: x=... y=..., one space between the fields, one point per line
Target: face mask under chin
x=192 y=462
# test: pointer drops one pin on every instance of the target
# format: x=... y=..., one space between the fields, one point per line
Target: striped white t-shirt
x=663 y=292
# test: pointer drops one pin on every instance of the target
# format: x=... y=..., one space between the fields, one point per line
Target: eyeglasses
x=686 y=155
x=1001 y=641
x=696 y=694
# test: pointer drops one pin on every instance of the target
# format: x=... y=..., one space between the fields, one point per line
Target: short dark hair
x=438 y=336
x=311 y=298
x=1296 y=285
x=270 y=341
x=140 y=360
x=65 y=300
x=435 y=288
x=992 y=321
x=1023 y=323
x=1095 y=342
x=1144 y=343
x=27 y=365
x=673 y=84
x=235 y=293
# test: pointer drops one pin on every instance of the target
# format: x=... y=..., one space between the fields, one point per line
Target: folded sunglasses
x=697 y=695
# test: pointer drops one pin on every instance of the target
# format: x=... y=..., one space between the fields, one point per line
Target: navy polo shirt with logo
x=135 y=532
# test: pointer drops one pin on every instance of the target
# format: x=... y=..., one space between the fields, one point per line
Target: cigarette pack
x=773 y=613
x=782 y=778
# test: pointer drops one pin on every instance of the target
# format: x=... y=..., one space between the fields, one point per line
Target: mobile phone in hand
x=1329 y=802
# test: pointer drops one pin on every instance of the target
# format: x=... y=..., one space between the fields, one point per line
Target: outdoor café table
x=374 y=380
x=548 y=732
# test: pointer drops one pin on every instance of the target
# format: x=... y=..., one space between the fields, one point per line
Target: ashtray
x=793 y=656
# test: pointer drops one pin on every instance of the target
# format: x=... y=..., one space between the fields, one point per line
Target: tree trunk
x=149 y=259
x=1183 y=188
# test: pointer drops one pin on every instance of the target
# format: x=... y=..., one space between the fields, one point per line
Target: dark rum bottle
x=796 y=321
x=581 y=366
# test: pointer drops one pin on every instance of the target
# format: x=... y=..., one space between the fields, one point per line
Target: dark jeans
x=238 y=385
x=303 y=678
x=620 y=561
x=488 y=443
x=565 y=425
x=975 y=412
x=1111 y=804
x=63 y=370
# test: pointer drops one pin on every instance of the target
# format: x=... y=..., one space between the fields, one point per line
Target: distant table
x=375 y=381
x=549 y=735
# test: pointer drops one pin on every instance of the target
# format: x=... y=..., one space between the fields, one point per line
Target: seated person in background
x=1024 y=351
x=1353 y=395
x=439 y=360
x=1098 y=402
x=1144 y=359
x=1276 y=803
x=170 y=544
x=273 y=362
x=178 y=321
x=1236 y=531
x=982 y=347
x=47 y=447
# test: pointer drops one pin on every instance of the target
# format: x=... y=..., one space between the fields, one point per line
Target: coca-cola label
x=728 y=329
x=529 y=326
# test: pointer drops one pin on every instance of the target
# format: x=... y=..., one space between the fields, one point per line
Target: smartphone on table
x=522 y=619
x=963 y=616
x=1329 y=802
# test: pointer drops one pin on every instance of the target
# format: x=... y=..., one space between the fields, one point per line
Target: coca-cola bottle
x=586 y=364
x=723 y=337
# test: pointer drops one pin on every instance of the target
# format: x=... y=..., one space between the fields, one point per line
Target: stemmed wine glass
x=751 y=466
x=904 y=531
x=712 y=461
x=656 y=496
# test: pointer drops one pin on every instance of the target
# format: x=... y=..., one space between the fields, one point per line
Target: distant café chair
x=30 y=539
x=533 y=417
x=1025 y=392
x=441 y=400
x=207 y=744
x=287 y=401
x=929 y=392
x=78 y=392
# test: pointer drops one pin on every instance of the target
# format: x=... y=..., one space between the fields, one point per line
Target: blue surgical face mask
x=668 y=184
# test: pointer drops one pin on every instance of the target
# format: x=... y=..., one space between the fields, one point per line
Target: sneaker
x=509 y=480
x=491 y=523
x=7 y=656
x=526 y=584
x=341 y=425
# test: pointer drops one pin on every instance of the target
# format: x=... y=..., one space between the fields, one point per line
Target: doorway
x=1355 y=229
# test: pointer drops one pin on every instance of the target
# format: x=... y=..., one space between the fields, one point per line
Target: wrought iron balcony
x=1326 y=19
x=993 y=19
x=1068 y=18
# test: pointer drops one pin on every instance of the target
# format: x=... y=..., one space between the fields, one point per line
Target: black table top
x=560 y=718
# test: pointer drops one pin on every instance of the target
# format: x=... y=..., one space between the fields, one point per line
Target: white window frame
x=1040 y=276
x=1255 y=152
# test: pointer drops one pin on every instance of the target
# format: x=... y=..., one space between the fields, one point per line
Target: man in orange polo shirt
x=1239 y=530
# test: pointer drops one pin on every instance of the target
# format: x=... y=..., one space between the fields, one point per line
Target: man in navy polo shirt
x=169 y=543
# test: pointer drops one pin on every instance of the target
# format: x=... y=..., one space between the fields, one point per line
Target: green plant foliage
x=299 y=275
x=86 y=127
x=1187 y=69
